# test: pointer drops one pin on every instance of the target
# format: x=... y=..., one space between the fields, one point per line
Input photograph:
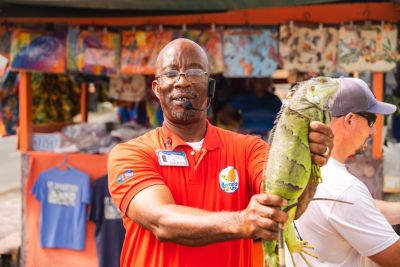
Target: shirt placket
x=195 y=158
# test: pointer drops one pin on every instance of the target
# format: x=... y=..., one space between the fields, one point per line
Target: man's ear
x=348 y=119
x=156 y=88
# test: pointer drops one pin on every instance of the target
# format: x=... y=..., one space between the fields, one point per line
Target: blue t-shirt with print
x=63 y=195
x=258 y=112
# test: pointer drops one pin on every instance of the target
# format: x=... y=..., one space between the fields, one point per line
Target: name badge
x=172 y=158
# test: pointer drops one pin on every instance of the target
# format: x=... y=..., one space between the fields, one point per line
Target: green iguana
x=289 y=169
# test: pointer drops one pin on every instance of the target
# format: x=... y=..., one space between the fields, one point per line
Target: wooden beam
x=84 y=106
x=25 y=111
x=50 y=127
x=377 y=137
x=327 y=13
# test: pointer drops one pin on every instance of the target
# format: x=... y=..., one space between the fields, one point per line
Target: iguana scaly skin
x=289 y=168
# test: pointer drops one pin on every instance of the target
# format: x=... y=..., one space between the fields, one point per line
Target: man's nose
x=182 y=80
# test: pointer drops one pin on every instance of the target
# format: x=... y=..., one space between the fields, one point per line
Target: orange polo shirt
x=222 y=176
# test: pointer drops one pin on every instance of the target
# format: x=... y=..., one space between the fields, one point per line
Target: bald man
x=189 y=192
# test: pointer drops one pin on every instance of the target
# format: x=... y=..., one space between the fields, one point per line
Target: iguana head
x=321 y=91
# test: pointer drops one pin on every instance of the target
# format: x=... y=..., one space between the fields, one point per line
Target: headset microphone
x=188 y=106
x=210 y=93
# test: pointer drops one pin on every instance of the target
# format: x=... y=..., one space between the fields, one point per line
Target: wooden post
x=84 y=107
x=377 y=137
x=25 y=111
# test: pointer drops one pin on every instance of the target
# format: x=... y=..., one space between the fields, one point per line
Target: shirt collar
x=212 y=139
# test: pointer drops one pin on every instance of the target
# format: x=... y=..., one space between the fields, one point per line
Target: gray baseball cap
x=355 y=96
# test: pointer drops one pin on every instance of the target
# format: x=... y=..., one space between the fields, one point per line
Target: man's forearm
x=195 y=227
x=391 y=210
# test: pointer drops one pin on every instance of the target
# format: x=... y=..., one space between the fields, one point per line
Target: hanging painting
x=127 y=88
x=93 y=52
x=42 y=52
x=211 y=42
x=5 y=46
x=250 y=53
x=308 y=49
x=140 y=50
x=367 y=48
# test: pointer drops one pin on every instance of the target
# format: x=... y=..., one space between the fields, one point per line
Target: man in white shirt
x=342 y=234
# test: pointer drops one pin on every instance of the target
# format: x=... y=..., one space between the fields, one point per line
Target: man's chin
x=187 y=118
x=361 y=150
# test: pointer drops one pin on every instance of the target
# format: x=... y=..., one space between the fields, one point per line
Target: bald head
x=178 y=51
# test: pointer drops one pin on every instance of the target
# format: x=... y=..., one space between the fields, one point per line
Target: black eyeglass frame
x=371 y=117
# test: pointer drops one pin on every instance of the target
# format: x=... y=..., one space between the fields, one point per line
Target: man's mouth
x=180 y=100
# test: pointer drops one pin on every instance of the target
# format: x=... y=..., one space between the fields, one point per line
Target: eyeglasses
x=192 y=75
x=371 y=118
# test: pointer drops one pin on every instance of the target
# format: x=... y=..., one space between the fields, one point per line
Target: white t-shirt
x=341 y=233
x=196 y=145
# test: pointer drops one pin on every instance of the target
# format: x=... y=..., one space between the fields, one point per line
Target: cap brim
x=382 y=108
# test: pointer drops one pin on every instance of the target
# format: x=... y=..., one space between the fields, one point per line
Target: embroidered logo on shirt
x=229 y=179
x=124 y=176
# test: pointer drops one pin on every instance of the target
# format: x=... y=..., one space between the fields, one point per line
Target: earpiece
x=211 y=88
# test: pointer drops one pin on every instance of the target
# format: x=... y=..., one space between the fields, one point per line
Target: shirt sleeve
x=361 y=224
x=131 y=168
x=256 y=156
x=38 y=189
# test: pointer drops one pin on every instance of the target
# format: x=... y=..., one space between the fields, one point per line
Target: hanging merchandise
x=367 y=48
x=140 y=50
x=8 y=103
x=5 y=48
x=307 y=49
x=250 y=53
x=88 y=137
x=64 y=195
x=110 y=232
x=155 y=116
x=38 y=51
x=127 y=88
x=211 y=42
x=93 y=52
x=55 y=98
x=154 y=113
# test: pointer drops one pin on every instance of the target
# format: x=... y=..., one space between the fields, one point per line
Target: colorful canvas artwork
x=211 y=42
x=42 y=52
x=5 y=49
x=8 y=103
x=55 y=98
x=140 y=50
x=367 y=48
x=93 y=52
x=127 y=88
x=308 y=49
x=250 y=53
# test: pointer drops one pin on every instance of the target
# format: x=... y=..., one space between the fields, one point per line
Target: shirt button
x=192 y=153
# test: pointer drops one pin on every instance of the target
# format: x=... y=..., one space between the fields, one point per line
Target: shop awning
x=126 y=8
x=220 y=5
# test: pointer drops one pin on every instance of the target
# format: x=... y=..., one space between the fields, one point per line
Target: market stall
x=224 y=27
